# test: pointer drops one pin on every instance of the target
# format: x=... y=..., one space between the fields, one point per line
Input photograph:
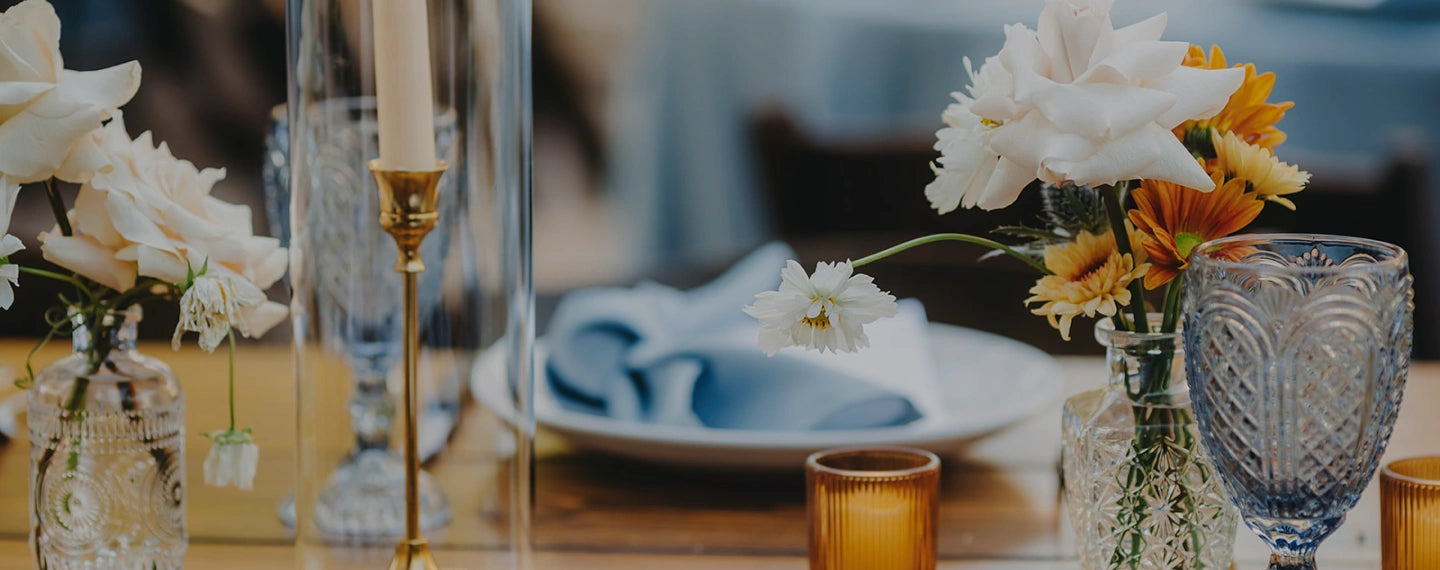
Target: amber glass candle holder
x=872 y=508
x=1410 y=514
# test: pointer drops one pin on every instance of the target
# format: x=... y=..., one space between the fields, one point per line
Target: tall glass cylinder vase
x=1140 y=491
x=475 y=300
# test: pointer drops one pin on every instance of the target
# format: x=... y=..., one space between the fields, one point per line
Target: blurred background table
x=1000 y=508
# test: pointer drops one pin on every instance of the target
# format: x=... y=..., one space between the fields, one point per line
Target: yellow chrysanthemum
x=1246 y=114
x=1089 y=277
x=1263 y=174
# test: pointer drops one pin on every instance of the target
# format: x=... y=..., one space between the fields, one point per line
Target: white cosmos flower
x=214 y=304
x=232 y=459
x=9 y=272
x=824 y=311
x=1075 y=100
x=45 y=109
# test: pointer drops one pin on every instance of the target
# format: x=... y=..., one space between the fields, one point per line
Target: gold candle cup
x=1410 y=514
x=872 y=508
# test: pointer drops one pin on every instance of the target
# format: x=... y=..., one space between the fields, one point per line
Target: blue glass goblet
x=1298 y=348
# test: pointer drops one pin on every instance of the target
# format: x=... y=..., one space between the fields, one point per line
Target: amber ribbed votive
x=1410 y=514
x=872 y=508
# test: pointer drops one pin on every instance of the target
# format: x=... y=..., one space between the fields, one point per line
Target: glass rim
x=1388 y=472
x=813 y=462
x=1397 y=258
x=1106 y=333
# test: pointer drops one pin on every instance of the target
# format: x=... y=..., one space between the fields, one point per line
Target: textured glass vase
x=1140 y=491
x=107 y=455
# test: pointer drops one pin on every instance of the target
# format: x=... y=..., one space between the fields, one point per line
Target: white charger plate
x=987 y=382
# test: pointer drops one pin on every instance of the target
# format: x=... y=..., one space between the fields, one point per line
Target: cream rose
x=45 y=109
x=151 y=214
x=1075 y=99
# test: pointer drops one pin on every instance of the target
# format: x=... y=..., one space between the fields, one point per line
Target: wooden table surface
x=1001 y=501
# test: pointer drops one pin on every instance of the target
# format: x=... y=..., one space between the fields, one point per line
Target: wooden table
x=1001 y=501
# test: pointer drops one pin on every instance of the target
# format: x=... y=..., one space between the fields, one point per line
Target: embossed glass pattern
x=359 y=299
x=1410 y=514
x=1299 y=346
x=873 y=509
x=1140 y=491
x=107 y=456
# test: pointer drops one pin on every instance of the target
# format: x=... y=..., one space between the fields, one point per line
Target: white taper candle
x=402 y=85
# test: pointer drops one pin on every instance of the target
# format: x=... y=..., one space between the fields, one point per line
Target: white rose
x=1076 y=100
x=45 y=110
x=152 y=215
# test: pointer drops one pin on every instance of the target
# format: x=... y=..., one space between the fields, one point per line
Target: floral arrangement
x=143 y=228
x=1145 y=149
x=1129 y=134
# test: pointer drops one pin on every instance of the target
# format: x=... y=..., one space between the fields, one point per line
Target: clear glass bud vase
x=107 y=455
x=1141 y=493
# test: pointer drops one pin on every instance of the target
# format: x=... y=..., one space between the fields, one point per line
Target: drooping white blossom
x=212 y=305
x=232 y=460
x=824 y=311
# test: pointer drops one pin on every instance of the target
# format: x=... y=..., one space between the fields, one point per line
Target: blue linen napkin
x=654 y=354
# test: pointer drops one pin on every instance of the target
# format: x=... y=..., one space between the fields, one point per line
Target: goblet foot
x=1293 y=542
x=364 y=500
x=1303 y=562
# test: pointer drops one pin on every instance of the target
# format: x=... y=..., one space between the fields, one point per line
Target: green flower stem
x=231 y=334
x=1116 y=215
x=71 y=279
x=951 y=237
x=57 y=207
x=1172 y=304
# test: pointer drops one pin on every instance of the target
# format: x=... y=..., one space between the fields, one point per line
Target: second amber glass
x=1410 y=514
x=872 y=509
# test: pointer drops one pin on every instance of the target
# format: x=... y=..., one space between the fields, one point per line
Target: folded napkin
x=689 y=358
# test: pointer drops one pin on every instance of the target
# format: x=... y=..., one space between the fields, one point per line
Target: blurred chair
x=845 y=199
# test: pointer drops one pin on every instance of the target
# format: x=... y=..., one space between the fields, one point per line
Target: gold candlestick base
x=413 y=555
x=409 y=204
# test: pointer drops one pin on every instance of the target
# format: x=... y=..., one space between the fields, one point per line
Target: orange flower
x=1246 y=114
x=1175 y=219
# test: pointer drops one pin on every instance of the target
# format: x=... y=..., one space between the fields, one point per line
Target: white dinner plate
x=987 y=382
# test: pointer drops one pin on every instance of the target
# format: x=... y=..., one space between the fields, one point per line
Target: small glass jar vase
x=1141 y=493
x=107 y=455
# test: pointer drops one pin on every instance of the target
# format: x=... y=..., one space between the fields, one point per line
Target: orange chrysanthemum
x=1246 y=114
x=1175 y=219
x=1089 y=277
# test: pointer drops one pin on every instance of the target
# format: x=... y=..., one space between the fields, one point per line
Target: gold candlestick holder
x=409 y=207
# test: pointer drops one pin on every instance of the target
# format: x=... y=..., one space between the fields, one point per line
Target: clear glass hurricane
x=1299 y=346
x=359 y=299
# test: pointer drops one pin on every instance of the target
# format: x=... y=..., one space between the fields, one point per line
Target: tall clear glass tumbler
x=1298 y=350
x=475 y=295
